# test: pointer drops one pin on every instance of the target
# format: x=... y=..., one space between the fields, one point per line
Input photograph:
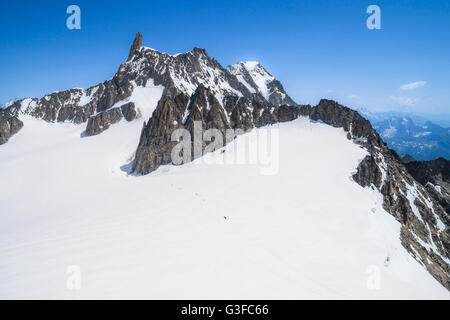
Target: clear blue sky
x=315 y=48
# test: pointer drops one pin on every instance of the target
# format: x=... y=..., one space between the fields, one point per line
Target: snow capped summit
x=183 y=73
x=260 y=82
x=341 y=199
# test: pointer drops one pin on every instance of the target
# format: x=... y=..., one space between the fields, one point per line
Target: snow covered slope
x=198 y=230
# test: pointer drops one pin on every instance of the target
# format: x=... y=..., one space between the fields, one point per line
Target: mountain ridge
x=181 y=73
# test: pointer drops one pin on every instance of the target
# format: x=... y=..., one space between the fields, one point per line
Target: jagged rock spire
x=137 y=44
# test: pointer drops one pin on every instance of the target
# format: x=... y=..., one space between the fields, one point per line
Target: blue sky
x=317 y=49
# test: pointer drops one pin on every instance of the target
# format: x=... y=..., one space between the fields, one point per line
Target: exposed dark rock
x=384 y=170
x=103 y=120
x=9 y=125
x=278 y=96
x=129 y=111
x=136 y=46
x=336 y=115
x=423 y=218
x=275 y=96
x=155 y=145
x=286 y=113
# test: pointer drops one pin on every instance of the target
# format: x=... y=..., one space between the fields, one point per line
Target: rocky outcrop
x=182 y=112
x=336 y=115
x=9 y=125
x=155 y=143
x=103 y=120
x=129 y=111
x=430 y=171
x=77 y=105
x=260 y=83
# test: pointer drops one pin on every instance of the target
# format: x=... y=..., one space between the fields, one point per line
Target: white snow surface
x=307 y=232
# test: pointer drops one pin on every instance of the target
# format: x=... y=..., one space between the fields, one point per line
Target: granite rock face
x=251 y=73
x=430 y=171
x=178 y=74
x=102 y=121
x=9 y=125
x=336 y=115
x=368 y=173
x=155 y=145
x=425 y=230
x=136 y=46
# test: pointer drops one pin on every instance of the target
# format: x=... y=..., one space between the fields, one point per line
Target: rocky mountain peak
x=200 y=51
x=197 y=88
x=260 y=82
x=136 y=46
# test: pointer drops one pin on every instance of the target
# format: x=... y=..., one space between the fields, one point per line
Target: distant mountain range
x=411 y=135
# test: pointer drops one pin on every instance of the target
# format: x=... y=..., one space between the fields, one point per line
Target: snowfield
x=197 y=231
